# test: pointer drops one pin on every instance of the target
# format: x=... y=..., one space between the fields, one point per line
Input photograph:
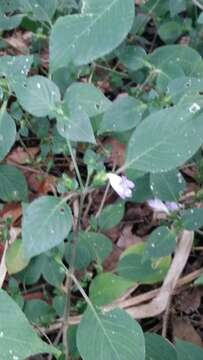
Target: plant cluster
x=101 y=112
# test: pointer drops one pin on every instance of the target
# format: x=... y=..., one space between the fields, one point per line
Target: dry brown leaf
x=117 y=156
x=41 y=184
x=20 y=156
x=189 y=302
x=127 y=238
x=12 y=210
x=183 y=329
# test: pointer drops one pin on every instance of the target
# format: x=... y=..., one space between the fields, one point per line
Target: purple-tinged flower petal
x=158 y=205
x=121 y=185
x=173 y=206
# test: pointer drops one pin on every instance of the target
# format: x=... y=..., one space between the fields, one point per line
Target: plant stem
x=75 y=165
x=70 y=272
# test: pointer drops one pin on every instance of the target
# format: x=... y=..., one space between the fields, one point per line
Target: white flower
x=121 y=185
x=160 y=206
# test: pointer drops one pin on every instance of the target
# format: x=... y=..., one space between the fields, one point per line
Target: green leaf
x=182 y=85
x=39 y=10
x=106 y=288
x=111 y=215
x=75 y=125
x=91 y=246
x=188 y=351
x=161 y=242
x=133 y=57
x=46 y=223
x=192 y=219
x=167 y=186
x=7 y=133
x=170 y=31
x=124 y=114
x=97 y=25
x=167 y=138
x=17 y=338
x=157 y=348
x=13 y=185
x=15 y=260
x=87 y=98
x=134 y=267
x=10 y=22
x=176 y=6
x=38 y=311
x=112 y=335
x=15 y=68
x=38 y=96
x=199 y=280
x=184 y=56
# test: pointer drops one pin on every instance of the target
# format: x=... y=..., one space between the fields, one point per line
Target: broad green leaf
x=91 y=246
x=182 y=85
x=15 y=69
x=134 y=267
x=9 y=22
x=46 y=223
x=38 y=311
x=52 y=272
x=107 y=287
x=124 y=114
x=97 y=25
x=112 y=335
x=111 y=215
x=7 y=133
x=176 y=6
x=187 y=351
x=167 y=186
x=13 y=186
x=192 y=219
x=184 y=56
x=161 y=242
x=167 y=138
x=158 y=348
x=39 y=10
x=15 y=260
x=38 y=96
x=133 y=57
x=18 y=341
x=170 y=31
x=75 y=125
x=87 y=98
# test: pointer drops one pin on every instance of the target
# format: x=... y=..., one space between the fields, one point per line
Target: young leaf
x=15 y=260
x=38 y=96
x=111 y=215
x=112 y=335
x=18 y=341
x=87 y=97
x=13 y=186
x=7 y=133
x=75 y=125
x=107 y=287
x=46 y=223
x=82 y=38
x=124 y=114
